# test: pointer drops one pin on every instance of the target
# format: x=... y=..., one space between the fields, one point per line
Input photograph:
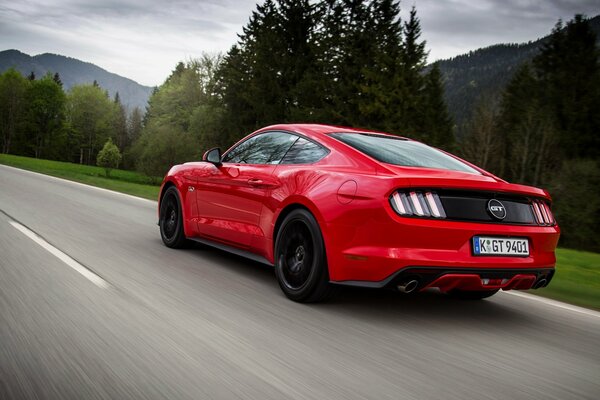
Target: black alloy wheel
x=170 y=220
x=300 y=261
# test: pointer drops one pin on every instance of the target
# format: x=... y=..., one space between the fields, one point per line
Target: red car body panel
x=348 y=192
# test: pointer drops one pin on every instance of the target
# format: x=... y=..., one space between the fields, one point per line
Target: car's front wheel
x=171 y=220
x=300 y=260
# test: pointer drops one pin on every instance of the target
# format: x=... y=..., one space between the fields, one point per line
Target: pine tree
x=120 y=124
x=437 y=129
x=57 y=79
x=381 y=90
x=568 y=69
x=414 y=57
x=31 y=76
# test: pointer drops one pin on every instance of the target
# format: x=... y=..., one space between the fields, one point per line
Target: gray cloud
x=144 y=40
x=453 y=27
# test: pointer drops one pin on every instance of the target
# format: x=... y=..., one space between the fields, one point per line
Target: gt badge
x=496 y=209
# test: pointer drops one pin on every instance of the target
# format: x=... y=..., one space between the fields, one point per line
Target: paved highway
x=93 y=306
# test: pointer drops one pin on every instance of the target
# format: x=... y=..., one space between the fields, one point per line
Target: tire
x=300 y=259
x=471 y=294
x=171 y=220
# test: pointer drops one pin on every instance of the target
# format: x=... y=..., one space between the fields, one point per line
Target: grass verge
x=576 y=280
x=129 y=182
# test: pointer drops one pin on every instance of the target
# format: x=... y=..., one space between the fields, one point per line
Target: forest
x=354 y=63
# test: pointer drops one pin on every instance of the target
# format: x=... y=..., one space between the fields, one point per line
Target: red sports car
x=330 y=206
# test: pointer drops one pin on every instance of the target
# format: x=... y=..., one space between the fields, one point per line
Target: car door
x=230 y=197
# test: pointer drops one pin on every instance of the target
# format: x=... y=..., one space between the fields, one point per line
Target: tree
x=56 y=78
x=120 y=124
x=528 y=128
x=134 y=130
x=161 y=147
x=436 y=127
x=109 y=157
x=45 y=117
x=91 y=115
x=568 y=70
x=182 y=113
x=482 y=145
x=13 y=89
x=576 y=203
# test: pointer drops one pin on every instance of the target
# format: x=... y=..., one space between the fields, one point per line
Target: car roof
x=319 y=130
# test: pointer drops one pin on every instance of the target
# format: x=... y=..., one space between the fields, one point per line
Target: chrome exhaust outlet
x=540 y=283
x=408 y=286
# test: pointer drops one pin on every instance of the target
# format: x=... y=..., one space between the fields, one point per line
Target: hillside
x=485 y=72
x=73 y=72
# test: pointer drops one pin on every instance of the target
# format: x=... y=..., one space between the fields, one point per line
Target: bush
x=109 y=157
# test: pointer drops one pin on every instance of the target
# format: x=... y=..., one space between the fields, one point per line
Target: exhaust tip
x=408 y=286
x=541 y=283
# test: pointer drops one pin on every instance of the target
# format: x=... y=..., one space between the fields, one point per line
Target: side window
x=265 y=148
x=304 y=152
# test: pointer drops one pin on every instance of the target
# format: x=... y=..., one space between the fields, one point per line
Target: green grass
x=129 y=182
x=576 y=280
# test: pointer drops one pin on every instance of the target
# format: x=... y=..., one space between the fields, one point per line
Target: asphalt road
x=154 y=323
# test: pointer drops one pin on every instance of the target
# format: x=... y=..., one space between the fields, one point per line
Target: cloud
x=144 y=40
x=453 y=27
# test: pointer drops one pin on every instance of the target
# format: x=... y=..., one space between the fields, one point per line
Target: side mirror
x=213 y=156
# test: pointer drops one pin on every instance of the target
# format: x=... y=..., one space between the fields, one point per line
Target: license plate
x=496 y=246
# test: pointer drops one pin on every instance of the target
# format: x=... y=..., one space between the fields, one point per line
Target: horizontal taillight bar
x=417 y=203
x=543 y=215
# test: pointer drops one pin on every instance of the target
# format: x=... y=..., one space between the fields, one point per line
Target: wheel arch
x=295 y=204
x=188 y=230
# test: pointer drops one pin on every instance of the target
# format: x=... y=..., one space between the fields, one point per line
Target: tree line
x=39 y=119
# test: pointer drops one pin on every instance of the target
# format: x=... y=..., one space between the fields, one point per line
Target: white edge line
x=81 y=184
x=98 y=281
x=555 y=303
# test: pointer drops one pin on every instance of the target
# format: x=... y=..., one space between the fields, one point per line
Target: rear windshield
x=399 y=151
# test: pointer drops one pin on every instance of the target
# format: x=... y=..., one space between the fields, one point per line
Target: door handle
x=255 y=182
x=259 y=183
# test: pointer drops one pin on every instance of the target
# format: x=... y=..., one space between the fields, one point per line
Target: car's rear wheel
x=171 y=220
x=471 y=294
x=300 y=260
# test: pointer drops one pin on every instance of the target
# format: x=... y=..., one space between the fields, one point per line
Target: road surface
x=93 y=306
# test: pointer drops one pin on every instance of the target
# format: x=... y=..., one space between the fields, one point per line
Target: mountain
x=74 y=72
x=485 y=72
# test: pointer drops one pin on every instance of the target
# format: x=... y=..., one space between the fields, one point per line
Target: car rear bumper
x=440 y=253
x=447 y=279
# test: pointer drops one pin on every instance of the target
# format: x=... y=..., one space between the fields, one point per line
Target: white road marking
x=81 y=184
x=98 y=281
x=554 y=303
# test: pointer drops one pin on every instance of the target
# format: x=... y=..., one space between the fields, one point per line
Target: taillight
x=542 y=212
x=417 y=203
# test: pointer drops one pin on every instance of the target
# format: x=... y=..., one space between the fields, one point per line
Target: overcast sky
x=143 y=40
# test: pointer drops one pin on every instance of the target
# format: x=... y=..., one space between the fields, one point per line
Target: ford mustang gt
x=329 y=206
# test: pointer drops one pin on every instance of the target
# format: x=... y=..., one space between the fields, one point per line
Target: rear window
x=399 y=151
